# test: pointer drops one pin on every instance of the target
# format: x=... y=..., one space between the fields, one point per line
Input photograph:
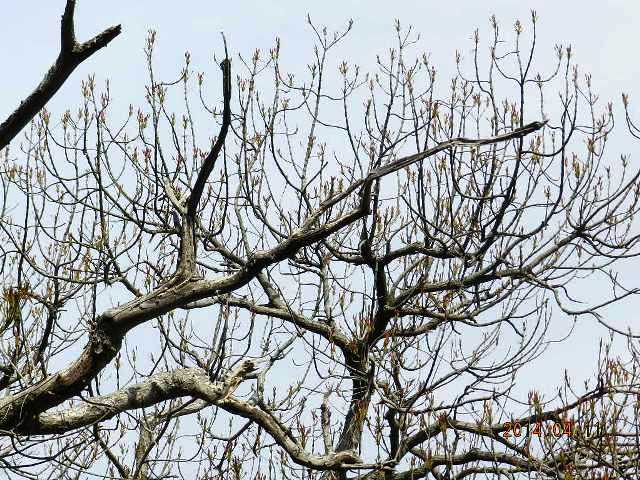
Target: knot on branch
x=346 y=457
x=102 y=343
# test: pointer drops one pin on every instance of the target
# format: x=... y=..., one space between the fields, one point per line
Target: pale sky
x=604 y=36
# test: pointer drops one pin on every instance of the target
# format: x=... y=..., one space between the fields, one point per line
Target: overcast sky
x=604 y=36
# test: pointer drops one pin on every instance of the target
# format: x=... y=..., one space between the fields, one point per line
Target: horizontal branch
x=156 y=389
x=474 y=455
x=192 y=382
x=329 y=332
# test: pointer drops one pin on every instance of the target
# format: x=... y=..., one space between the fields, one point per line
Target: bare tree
x=307 y=295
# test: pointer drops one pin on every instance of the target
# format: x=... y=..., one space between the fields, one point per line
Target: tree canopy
x=338 y=274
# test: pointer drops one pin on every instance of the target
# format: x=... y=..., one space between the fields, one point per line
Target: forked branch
x=71 y=55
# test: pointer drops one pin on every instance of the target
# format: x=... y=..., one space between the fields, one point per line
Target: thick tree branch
x=158 y=388
x=192 y=382
x=71 y=55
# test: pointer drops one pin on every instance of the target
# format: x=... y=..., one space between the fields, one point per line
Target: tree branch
x=71 y=55
x=210 y=161
x=179 y=291
x=157 y=388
